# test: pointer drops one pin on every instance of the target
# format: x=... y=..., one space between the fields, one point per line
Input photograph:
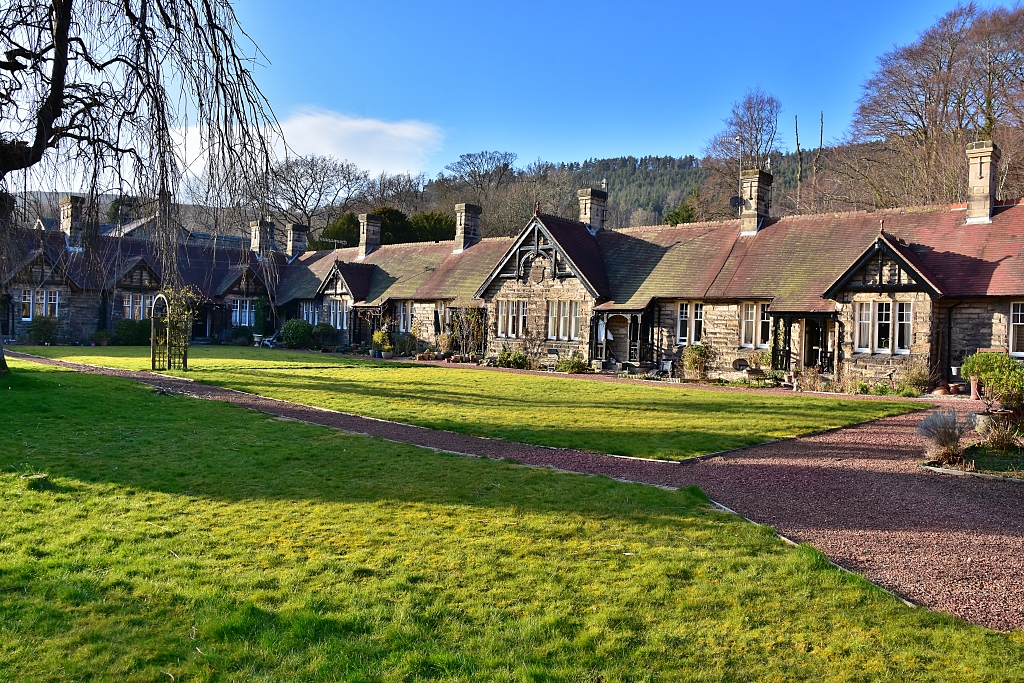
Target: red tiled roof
x=582 y=249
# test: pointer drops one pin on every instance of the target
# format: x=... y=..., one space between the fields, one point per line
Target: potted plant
x=387 y=352
x=101 y=337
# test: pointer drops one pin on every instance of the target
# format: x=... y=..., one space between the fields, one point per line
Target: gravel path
x=954 y=544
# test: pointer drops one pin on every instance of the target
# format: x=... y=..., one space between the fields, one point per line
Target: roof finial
x=536 y=208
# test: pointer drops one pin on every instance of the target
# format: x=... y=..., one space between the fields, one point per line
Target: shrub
x=1001 y=434
x=132 y=332
x=881 y=389
x=908 y=392
x=445 y=342
x=244 y=334
x=508 y=358
x=101 y=336
x=574 y=364
x=697 y=358
x=380 y=338
x=761 y=359
x=983 y=364
x=861 y=388
x=944 y=430
x=44 y=330
x=914 y=375
x=324 y=334
x=296 y=334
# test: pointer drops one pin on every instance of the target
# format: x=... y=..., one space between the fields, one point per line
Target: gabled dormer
x=138 y=273
x=887 y=266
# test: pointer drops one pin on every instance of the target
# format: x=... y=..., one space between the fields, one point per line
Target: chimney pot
x=71 y=209
x=756 y=198
x=369 y=234
x=295 y=237
x=982 y=161
x=467 y=226
x=593 y=208
x=262 y=236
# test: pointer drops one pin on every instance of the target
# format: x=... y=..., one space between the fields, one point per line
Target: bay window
x=308 y=311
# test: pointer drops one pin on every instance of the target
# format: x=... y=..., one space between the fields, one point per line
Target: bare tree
x=103 y=91
x=314 y=190
x=749 y=140
x=401 y=191
x=962 y=80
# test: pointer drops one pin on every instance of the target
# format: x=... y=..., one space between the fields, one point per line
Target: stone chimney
x=262 y=236
x=467 y=226
x=369 y=234
x=295 y=237
x=756 y=200
x=593 y=207
x=982 y=164
x=72 y=217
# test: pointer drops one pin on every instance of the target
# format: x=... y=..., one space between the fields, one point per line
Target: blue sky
x=405 y=86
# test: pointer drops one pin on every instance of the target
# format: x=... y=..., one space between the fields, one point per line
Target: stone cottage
x=858 y=293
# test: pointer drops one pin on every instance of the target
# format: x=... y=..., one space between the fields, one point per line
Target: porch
x=623 y=336
x=801 y=341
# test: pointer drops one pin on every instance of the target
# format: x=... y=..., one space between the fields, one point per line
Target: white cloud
x=372 y=144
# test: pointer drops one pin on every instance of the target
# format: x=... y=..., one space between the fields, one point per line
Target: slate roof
x=582 y=248
x=423 y=271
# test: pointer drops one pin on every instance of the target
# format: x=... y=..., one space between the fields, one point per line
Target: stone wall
x=537 y=287
x=877 y=366
x=77 y=314
x=721 y=330
x=977 y=324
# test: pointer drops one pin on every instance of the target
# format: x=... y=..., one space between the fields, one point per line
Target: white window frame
x=764 y=334
x=52 y=308
x=904 y=320
x=126 y=306
x=748 y=324
x=1017 y=328
x=339 y=313
x=878 y=326
x=863 y=327
x=552 y=331
x=308 y=311
x=563 y=320
x=502 y=308
x=26 y=298
x=683 y=323
x=575 y=320
x=40 y=303
x=697 y=336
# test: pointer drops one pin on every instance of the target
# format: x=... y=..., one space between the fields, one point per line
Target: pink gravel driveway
x=954 y=544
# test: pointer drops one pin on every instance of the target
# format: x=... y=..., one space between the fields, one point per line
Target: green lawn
x=208 y=543
x=666 y=421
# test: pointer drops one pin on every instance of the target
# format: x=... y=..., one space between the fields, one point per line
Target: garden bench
x=755 y=375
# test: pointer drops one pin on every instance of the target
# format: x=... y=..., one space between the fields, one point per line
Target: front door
x=813 y=343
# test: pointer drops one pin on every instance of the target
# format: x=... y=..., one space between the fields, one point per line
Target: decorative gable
x=537 y=254
x=888 y=265
x=140 y=277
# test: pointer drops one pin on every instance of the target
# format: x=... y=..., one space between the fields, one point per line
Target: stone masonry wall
x=537 y=288
x=879 y=366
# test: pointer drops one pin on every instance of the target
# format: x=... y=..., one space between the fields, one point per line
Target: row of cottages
x=856 y=292
x=119 y=278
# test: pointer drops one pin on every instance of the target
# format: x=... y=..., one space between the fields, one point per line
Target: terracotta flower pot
x=975 y=396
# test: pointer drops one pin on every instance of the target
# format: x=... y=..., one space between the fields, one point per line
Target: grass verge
x=666 y=422
x=200 y=541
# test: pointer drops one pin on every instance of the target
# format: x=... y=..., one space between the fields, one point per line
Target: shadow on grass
x=97 y=429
